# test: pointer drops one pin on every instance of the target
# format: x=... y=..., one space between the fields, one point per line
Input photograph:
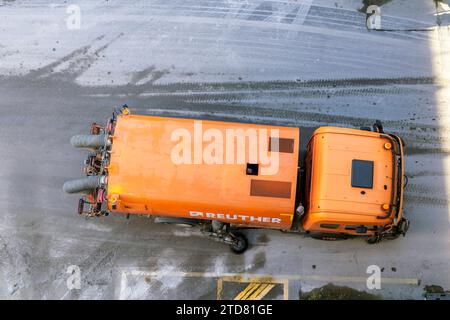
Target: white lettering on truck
x=210 y=215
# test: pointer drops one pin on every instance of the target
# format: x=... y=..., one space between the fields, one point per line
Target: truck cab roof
x=352 y=175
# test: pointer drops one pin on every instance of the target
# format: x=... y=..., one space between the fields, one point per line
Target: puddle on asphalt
x=334 y=292
x=435 y=292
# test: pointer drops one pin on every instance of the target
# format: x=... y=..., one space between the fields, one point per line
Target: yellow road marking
x=253 y=295
x=219 y=289
x=255 y=291
x=247 y=291
x=262 y=291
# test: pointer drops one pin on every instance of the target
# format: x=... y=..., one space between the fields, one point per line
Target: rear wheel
x=240 y=243
x=179 y=222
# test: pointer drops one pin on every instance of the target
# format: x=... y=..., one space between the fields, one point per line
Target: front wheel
x=240 y=243
x=392 y=236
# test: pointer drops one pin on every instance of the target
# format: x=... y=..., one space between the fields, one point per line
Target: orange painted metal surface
x=143 y=178
x=331 y=199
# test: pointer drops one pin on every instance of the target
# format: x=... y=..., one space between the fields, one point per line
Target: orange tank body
x=143 y=177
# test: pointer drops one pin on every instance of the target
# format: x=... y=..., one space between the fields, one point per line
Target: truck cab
x=354 y=182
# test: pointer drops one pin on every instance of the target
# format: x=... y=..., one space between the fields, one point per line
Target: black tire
x=405 y=181
x=329 y=236
x=240 y=245
x=403 y=226
x=378 y=126
x=179 y=222
x=372 y=240
x=392 y=236
x=80 y=206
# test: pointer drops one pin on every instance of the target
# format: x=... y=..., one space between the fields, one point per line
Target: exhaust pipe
x=83 y=185
x=88 y=141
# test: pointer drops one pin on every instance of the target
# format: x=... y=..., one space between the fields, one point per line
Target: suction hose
x=88 y=141
x=83 y=185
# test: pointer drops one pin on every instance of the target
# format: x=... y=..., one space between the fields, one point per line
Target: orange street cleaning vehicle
x=332 y=183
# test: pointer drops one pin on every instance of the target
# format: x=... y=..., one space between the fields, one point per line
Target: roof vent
x=362 y=174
